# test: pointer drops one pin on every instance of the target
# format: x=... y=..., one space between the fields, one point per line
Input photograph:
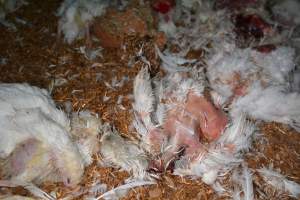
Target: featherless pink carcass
x=175 y=118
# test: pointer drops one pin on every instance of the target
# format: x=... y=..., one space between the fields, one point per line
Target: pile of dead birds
x=196 y=118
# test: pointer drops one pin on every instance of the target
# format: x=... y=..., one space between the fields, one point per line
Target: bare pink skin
x=239 y=86
x=185 y=126
x=22 y=154
x=156 y=138
x=212 y=120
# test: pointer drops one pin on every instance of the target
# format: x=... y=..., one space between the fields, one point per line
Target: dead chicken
x=176 y=116
x=37 y=142
x=183 y=130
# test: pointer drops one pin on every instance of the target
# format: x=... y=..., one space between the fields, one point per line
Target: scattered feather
x=89 y=53
x=280 y=182
x=34 y=190
x=122 y=190
x=76 y=16
x=123 y=153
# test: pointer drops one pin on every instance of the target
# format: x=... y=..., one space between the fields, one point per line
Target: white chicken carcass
x=76 y=17
x=36 y=144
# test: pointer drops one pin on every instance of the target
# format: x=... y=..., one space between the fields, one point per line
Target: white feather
x=172 y=63
x=75 y=16
x=279 y=182
x=169 y=28
x=97 y=188
x=122 y=190
x=219 y=159
x=84 y=130
x=123 y=153
x=34 y=190
x=288 y=10
x=32 y=115
x=276 y=64
x=247 y=184
x=143 y=97
x=273 y=103
x=251 y=66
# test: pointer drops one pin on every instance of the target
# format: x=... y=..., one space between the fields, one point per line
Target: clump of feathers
x=222 y=155
x=76 y=17
x=122 y=153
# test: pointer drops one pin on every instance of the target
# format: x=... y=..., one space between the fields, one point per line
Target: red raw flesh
x=252 y=25
x=212 y=120
x=163 y=6
x=267 y=48
x=234 y=4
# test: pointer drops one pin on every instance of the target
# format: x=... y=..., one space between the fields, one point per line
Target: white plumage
x=85 y=128
x=36 y=144
x=222 y=155
x=143 y=97
x=258 y=83
x=172 y=63
x=123 y=153
x=243 y=183
x=76 y=17
x=151 y=105
x=226 y=66
x=273 y=103
x=287 y=12
x=120 y=191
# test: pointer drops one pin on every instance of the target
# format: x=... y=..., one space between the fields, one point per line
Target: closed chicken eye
x=67 y=181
